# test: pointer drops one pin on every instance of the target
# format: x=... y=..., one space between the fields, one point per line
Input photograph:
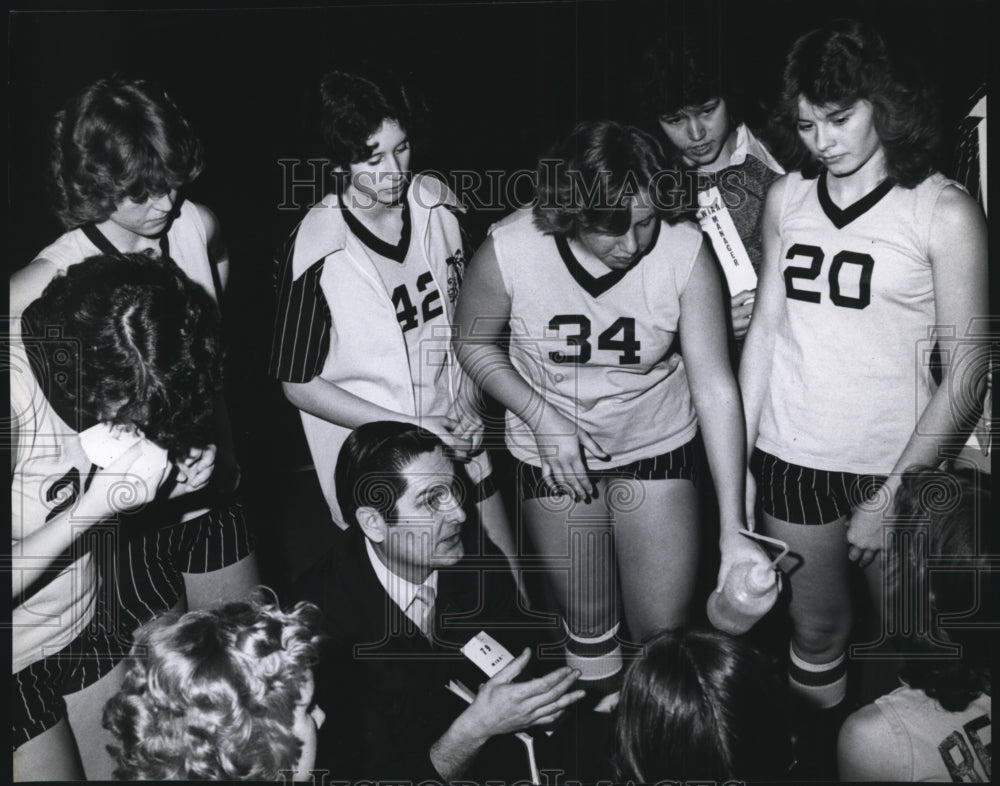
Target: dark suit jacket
x=382 y=682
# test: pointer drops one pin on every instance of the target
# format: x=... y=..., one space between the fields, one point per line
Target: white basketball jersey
x=850 y=375
x=596 y=347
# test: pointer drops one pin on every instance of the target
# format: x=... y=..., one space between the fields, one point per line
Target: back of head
x=149 y=344
x=586 y=181
x=370 y=465
x=212 y=694
x=118 y=138
x=846 y=61
x=354 y=105
x=943 y=570
x=700 y=705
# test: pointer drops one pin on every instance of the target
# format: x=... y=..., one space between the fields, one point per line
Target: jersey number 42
x=407 y=313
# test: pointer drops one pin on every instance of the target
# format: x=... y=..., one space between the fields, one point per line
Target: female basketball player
x=865 y=251
x=120 y=155
x=366 y=287
x=138 y=345
x=596 y=289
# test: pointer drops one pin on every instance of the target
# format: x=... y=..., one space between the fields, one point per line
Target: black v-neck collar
x=105 y=246
x=596 y=285
x=395 y=252
x=841 y=218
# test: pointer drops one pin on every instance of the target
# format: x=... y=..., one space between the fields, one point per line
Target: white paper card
x=715 y=221
x=487 y=653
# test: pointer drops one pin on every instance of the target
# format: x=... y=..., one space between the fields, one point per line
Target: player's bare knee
x=819 y=643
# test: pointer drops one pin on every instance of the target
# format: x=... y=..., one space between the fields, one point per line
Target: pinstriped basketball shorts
x=803 y=495
x=151 y=563
x=145 y=580
x=678 y=464
x=37 y=690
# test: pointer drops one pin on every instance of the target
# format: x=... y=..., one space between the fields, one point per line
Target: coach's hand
x=504 y=706
x=500 y=707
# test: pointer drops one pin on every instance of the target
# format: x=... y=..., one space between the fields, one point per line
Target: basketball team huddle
x=552 y=449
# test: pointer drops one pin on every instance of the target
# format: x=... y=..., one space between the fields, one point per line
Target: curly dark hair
x=119 y=137
x=355 y=104
x=585 y=182
x=149 y=343
x=701 y=705
x=212 y=694
x=951 y=509
x=846 y=61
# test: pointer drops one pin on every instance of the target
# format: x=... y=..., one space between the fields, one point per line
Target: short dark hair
x=846 y=61
x=354 y=105
x=681 y=69
x=700 y=705
x=212 y=694
x=586 y=181
x=119 y=137
x=369 y=471
x=952 y=507
x=149 y=343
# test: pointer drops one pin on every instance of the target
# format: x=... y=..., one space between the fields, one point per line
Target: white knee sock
x=822 y=684
x=597 y=657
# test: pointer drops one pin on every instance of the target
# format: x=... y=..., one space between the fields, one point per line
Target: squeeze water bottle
x=750 y=590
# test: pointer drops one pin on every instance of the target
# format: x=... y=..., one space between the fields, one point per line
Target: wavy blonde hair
x=212 y=694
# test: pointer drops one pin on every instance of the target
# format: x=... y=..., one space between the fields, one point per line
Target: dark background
x=504 y=81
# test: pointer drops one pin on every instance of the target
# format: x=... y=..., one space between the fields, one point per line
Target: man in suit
x=405 y=588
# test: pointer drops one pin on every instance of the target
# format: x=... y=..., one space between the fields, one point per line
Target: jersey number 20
x=841 y=260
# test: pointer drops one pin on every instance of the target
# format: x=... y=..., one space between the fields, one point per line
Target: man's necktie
x=421 y=610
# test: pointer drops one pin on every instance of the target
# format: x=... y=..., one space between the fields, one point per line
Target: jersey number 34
x=843 y=260
x=627 y=345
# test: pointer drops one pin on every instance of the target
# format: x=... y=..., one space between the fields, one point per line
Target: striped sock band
x=822 y=684
x=597 y=658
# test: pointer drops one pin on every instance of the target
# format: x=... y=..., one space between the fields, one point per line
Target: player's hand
x=734 y=548
x=560 y=445
x=449 y=430
x=465 y=423
x=864 y=534
x=128 y=483
x=673 y=361
x=194 y=471
x=741 y=309
x=503 y=706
